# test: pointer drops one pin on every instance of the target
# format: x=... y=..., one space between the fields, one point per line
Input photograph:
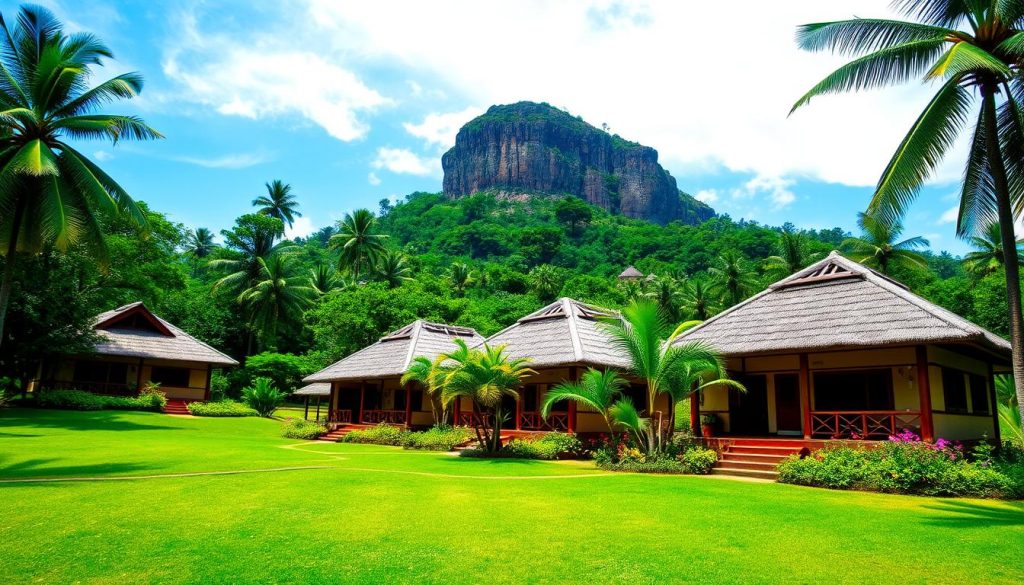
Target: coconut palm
x=358 y=241
x=880 y=247
x=323 y=278
x=596 y=389
x=667 y=293
x=974 y=50
x=51 y=193
x=392 y=267
x=430 y=374
x=987 y=257
x=251 y=239
x=279 y=296
x=199 y=243
x=278 y=203
x=731 y=277
x=793 y=255
x=486 y=376
x=545 y=282
x=696 y=299
x=461 y=277
x=632 y=290
x=643 y=333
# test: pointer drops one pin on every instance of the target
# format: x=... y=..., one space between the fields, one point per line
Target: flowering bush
x=681 y=455
x=906 y=464
x=546 y=446
x=439 y=438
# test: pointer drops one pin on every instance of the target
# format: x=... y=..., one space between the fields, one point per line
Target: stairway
x=755 y=458
x=177 y=407
x=335 y=435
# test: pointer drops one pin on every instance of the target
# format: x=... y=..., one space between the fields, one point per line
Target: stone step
x=739 y=472
x=748 y=464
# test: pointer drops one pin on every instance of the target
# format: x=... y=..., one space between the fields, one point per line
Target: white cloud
x=257 y=76
x=301 y=228
x=102 y=155
x=630 y=69
x=373 y=179
x=404 y=162
x=776 y=188
x=228 y=161
x=950 y=215
x=440 y=129
x=708 y=196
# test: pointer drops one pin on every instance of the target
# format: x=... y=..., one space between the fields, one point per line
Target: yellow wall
x=65 y=371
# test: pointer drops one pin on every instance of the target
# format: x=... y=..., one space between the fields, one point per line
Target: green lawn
x=362 y=513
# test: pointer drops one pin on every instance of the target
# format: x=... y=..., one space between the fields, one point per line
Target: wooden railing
x=474 y=419
x=107 y=388
x=391 y=417
x=533 y=421
x=340 y=416
x=863 y=424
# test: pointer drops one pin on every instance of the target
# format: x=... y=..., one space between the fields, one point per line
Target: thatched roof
x=135 y=331
x=834 y=304
x=630 y=273
x=565 y=332
x=314 y=389
x=392 y=354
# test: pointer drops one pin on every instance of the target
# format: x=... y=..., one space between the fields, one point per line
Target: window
x=979 y=395
x=416 y=397
x=857 y=390
x=528 y=398
x=94 y=371
x=170 y=377
x=954 y=390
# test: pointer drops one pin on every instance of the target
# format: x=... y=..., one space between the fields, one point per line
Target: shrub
x=439 y=438
x=262 y=396
x=222 y=408
x=79 y=400
x=298 y=428
x=698 y=460
x=681 y=455
x=546 y=446
x=382 y=434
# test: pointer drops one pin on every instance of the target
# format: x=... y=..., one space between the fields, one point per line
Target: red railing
x=533 y=421
x=107 y=388
x=340 y=416
x=863 y=424
x=474 y=419
x=391 y=417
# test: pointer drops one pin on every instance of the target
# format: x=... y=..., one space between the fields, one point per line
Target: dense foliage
x=438 y=438
x=221 y=408
x=298 y=428
x=79 y=400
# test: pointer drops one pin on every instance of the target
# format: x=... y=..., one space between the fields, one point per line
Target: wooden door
x=787 y=404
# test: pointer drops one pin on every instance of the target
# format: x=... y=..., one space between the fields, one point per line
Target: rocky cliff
x=536 y=148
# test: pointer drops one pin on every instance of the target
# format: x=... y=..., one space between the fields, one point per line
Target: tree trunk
x=496 y=439
x=1009 y=241
x=12 y=250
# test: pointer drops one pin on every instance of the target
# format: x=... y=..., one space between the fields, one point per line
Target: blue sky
x=352 y=102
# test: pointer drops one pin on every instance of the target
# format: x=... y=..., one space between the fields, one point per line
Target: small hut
x=631 y=273
x=317 y=389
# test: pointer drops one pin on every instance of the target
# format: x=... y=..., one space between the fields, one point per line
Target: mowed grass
x=368 y=514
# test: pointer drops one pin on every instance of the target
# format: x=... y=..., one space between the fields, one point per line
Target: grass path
x=371 y=514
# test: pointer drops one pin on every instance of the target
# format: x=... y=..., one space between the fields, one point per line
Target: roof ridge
x=574 y=334
x=414 y=337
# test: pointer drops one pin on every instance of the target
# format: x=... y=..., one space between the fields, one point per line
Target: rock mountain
x=535 y=148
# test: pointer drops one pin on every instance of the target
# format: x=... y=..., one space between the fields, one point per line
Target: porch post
x=362 y=400
x=924 y=391
x=408 y=405
x=209 y=381
x=305 y=415
x=805 y=393
x=695 y=413
x=318 y=408
x=519 y=412
x=138 y=377
x=994 y=406
x=457 y=411
x=574 y=376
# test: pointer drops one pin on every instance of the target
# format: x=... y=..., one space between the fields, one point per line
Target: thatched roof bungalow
x=365 y=386
x=838 y=350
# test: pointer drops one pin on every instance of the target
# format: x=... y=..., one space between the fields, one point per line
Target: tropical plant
x=392 y=267
x=631 y=290
x=793 y=255
x=199 y=243
x=278 y=203
x=486 y=376
x=667 y=293
x=732 y=278
x=277 y=296
x=461 y=277
x=323 y=278
x=879 y=245
x=573 y=212
x=987 y=256
x=595 y=388
x=545 y=282
x=643 y=333
x=1010 y=423
x=975 y=49
x=52 y=194
x=251 y=240
x=358 y=242
x=695 y=301
x=262 y=396
x=430 y=375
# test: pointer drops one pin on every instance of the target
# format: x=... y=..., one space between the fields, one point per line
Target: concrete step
x=747 y=464
x=760 y=457
x=740 y=472
x=763 y=450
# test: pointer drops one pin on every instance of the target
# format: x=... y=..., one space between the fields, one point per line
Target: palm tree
x=278 y=203
x=666 y=293
x=51 y=193
x=278 y=296
x=793 y=255
x=199 y=243
x=731 y=278
x=988 y=256
x=642 y=333
x=696 y=302
x=430 y=374
x=358 y=242
x=323 y=278
x=486 y=376
x=878 y=246
x=546 y=282
x=392 y=267
x=596 y=389
x=461 y=277
x=975 y=49
x=252 y=239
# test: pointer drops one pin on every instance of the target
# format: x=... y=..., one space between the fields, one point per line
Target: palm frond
x=864 y=35
x=964 y=58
